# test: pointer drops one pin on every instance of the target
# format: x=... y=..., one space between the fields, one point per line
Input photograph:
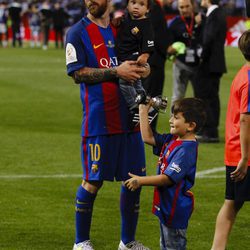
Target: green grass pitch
x=40 y=168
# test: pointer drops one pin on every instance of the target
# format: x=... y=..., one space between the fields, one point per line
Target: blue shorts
x=107 y=157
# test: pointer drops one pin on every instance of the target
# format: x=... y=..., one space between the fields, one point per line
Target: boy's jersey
x=104 y=108
x=239 y=103
x=174 y=204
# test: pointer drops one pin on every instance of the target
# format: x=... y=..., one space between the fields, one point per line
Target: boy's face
x=178 y=125
x=137 y=8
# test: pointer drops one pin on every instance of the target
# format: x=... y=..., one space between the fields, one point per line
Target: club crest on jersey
x=110 y=44
x=175 y=167
x=94 y=168
x=162 y=168
x=135 y=30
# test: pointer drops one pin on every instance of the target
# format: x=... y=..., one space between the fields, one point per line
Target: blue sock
x=84 y=208
x=129 y=206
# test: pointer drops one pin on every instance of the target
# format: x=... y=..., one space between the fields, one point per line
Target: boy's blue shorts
x=107 y=157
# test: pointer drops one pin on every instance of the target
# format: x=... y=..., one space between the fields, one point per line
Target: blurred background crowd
x=40 y=20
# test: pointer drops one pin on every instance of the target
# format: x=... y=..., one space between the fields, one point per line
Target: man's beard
x=97 y=10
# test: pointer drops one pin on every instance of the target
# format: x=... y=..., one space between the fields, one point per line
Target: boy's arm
x=136 y=181
x=146 y=131
x=242 y=167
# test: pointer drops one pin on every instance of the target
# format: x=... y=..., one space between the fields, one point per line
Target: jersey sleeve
x=160 y=140
x=178 y=166
x=245 y=98
x=147 y=45
x=75 y=53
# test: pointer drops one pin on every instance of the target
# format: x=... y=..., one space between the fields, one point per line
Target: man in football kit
x=173 y=200
x=109 y=149
x=237 y=149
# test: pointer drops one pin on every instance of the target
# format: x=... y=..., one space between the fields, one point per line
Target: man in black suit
x=212 y=67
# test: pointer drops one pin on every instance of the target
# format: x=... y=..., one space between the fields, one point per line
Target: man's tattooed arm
x=94 y=75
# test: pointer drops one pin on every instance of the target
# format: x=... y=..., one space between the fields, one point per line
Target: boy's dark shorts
x=237 y=191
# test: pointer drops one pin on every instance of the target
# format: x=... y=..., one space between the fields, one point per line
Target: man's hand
x=240 y=172
x=133 y=183
x=130 y=71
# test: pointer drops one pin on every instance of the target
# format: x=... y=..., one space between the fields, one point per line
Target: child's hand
x=142 y=59
x=144 y=108
x=133 y=183
x=146 y=69
x=116 y=22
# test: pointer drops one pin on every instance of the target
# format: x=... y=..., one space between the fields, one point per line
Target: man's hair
x=244 y=44
x=193 y=110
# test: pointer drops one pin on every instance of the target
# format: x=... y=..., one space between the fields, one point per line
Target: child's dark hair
x=244 y=44
x=148 y=2
x=193 y=110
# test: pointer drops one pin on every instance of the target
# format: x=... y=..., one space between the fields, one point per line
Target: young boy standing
x=173 y=200
x=237 y=149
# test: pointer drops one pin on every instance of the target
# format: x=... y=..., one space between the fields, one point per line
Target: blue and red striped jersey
x=104 y=108
x=174 y=204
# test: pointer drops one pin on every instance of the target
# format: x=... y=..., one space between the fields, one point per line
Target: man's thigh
x=112 y=156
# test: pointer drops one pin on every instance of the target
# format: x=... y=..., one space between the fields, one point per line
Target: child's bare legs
x=224 y=223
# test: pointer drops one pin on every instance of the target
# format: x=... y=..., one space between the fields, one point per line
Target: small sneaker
x=134 y=245
x=85 y=245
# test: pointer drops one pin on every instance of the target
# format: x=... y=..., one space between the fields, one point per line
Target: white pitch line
x=204 y=174
x=210 y=171
x=30 y=176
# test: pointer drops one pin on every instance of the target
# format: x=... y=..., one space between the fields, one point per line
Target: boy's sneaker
x=85 y=245
x=133 y=245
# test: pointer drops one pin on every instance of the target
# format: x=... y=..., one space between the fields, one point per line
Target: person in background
x=3 y=24
x=237 y=149
x=35 y=26
x=211 y=68
x=185 y=28
x=15 y=14
x=59 y=18
x=46 y=20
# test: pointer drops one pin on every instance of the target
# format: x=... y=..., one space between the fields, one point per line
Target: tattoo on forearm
x=93 y=75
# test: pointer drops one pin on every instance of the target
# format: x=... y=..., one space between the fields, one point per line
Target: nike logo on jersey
x=98 y=45
x=150 y=43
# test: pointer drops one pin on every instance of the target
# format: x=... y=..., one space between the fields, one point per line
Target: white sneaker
x=86 y=245
x=134 y=245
